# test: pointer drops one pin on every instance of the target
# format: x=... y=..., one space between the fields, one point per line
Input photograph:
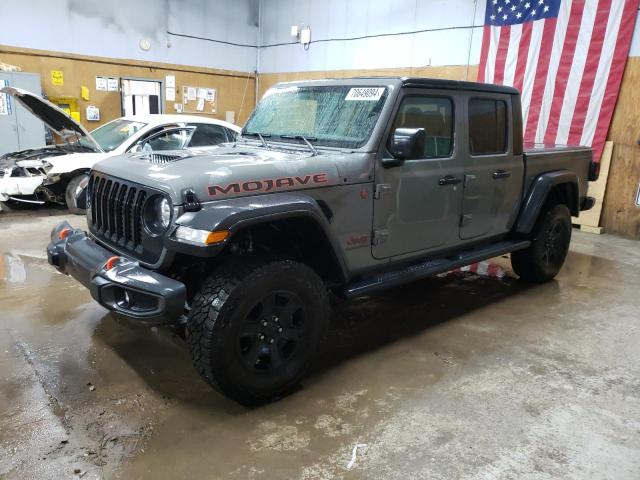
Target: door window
x=207 y=135
x=172 y=140
x=487 y=126
x=435 y=115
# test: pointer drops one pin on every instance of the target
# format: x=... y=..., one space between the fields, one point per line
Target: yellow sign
x=57 y=77
x=84 y=93
x=76 y=116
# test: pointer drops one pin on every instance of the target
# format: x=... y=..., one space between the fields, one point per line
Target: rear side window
x=487 y=126
x=207 y=135
x=435 y=115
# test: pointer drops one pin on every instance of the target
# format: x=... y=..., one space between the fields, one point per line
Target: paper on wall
x=202 y=92
x=200 y=105
x=191 y=93
x=93 y=113
x=170 y=94
x=57 y=77
x=230 y=117
x=101 y=84
x=5 y=101
x=178 y=107
x=211 y=95
x=170 y=81
x=112 y=84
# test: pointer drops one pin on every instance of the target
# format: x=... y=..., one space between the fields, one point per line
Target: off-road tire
x=550 y=238
x=69 y=194
x=223 y=310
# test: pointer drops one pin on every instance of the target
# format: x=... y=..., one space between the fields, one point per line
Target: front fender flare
x=237 y=213
x=538 y=193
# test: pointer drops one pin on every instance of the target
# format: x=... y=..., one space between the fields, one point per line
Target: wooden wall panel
x=82 y=70
x=620 y=215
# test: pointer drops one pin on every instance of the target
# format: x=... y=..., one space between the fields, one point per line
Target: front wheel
x=543 y=259
x=254 y=327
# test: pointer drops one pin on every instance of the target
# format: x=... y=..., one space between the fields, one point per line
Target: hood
x=226 y=172
x=55 y=118
x=74 y=161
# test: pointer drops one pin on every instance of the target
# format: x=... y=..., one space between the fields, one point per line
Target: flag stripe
x=576 y=74
x=590 y=69
x=623 y=44
x=531 y=68
x=501 y=55
x=544 y=56
x=512 y=55
x=494 y=37
x=602 y=74
x=523 y=54
x=484 y=52
x=554 y=64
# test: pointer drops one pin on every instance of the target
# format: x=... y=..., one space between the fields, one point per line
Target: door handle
x=448 y=180
x=498 y=174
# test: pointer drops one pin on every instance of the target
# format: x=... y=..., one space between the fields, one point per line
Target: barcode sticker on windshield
x=365 y=93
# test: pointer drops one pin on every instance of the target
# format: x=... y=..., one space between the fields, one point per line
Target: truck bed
x=541 y=158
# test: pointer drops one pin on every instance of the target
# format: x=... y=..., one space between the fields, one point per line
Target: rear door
x=417 y=205
x=492 y=173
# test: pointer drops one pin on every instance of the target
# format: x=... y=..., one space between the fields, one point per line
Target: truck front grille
x=116 y=216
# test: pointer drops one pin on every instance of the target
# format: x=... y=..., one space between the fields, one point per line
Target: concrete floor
x=459 y=377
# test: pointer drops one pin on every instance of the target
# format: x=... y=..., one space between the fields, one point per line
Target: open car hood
x=55 y=118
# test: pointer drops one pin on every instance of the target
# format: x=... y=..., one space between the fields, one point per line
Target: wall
x=451 y=40
x=236 y=90
x=114 y=29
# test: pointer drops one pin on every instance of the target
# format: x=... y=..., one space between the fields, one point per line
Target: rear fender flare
x=538 y=194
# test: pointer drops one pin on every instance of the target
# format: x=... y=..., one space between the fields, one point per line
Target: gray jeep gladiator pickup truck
x=346 y=186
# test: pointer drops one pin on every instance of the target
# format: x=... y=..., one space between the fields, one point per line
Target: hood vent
x=162 y=158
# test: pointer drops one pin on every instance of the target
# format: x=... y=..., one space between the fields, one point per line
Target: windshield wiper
x=260 y=136
x=305 y=140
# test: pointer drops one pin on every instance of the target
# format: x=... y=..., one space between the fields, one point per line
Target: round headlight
x=157 y=215
x=164 y=212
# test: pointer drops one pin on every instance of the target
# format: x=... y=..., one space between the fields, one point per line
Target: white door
x=141 y=97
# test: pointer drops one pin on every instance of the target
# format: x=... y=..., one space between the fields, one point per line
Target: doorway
x=141 y=97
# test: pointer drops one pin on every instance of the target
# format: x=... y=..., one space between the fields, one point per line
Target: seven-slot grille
x=116 y=211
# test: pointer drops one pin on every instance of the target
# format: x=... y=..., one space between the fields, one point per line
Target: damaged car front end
x=31 y=176
x=27 y=176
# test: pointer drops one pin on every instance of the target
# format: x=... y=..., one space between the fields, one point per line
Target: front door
x=417 y=205
x=492 y=173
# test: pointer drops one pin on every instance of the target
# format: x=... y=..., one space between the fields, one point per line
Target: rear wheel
x=550 y=239
x=74 y=188
x=254 y=327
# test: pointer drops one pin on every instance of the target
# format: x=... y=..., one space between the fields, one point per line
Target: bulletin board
x=199 y=99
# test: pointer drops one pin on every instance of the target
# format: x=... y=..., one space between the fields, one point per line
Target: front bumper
x=18 y=186
x=125 y=288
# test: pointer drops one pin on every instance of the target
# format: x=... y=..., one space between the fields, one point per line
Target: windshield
x=111 y=135
x=335 y=116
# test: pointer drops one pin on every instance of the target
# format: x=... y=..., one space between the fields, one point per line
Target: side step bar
x=430 y=268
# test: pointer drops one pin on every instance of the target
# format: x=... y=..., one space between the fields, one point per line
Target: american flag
x=566 y=57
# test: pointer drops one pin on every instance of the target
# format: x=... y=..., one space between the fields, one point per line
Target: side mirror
x=406 y=143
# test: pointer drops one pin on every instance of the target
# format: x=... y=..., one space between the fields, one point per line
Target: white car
x=54 y=173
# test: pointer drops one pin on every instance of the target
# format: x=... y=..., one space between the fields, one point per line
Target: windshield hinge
x=379 y=237
x=380 y=189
